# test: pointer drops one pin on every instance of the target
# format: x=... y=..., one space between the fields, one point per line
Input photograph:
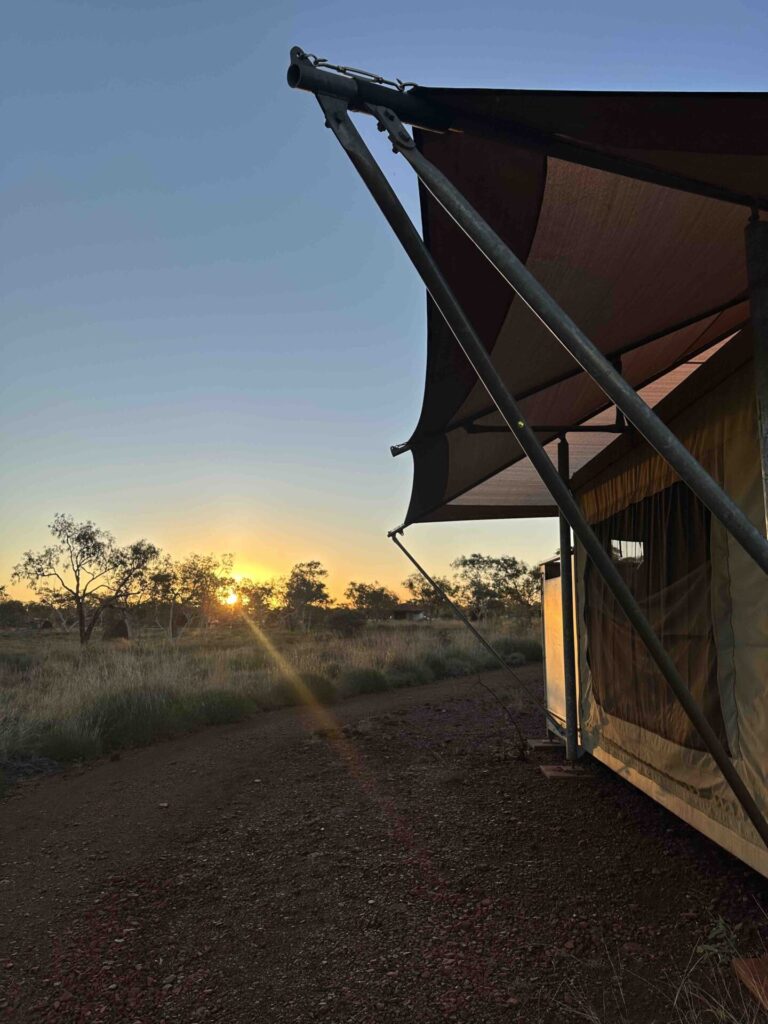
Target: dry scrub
x=64 y=703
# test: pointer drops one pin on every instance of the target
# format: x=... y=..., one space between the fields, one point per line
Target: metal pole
x=462 y=617
x=416 y=108
x=756 y=237
x=566 y=596
x=578 y=344
x=339 y=121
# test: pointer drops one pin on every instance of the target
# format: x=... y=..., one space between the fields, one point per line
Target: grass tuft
x=362 y=680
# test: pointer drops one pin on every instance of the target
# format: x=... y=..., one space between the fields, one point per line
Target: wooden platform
x=564 y=771
x=546 y=744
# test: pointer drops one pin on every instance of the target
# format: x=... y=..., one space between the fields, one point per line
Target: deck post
x=566 y=597
x=756 y=237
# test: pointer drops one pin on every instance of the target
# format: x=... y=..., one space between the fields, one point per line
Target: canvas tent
x=620 y=219
x=705 y=597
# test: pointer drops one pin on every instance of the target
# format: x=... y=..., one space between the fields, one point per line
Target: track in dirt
x=399 y=865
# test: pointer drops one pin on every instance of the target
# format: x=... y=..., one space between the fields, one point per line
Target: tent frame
x=421 y=112
x=336 y=109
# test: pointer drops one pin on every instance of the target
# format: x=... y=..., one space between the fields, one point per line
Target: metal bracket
x=389 y=122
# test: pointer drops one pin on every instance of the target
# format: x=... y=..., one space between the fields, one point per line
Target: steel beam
x=573 y=339
x=566 y=597
x=757 y=272
x=337 y=118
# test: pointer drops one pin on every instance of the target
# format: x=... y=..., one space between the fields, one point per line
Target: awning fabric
x=655 y=276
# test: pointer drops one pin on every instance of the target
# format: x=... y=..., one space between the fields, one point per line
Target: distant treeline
x=84 y=579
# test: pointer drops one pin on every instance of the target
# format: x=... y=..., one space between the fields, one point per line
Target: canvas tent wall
x=622 y=215
x=706 y=598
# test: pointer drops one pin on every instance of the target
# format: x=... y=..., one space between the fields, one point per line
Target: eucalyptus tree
x=85 y=571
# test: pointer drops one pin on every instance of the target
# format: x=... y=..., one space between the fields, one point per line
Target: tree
x=423 y=593
x=189 y=590
x=303 y=590
x=86 y=571
x=487 y=585
x=257 y=599
x=371 y=599
x=12 y=613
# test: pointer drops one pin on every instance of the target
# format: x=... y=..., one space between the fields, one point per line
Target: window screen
x=660 y=545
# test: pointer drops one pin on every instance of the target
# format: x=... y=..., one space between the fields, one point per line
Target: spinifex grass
x=65 y=703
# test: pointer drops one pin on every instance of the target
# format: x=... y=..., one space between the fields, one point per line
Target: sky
x=210 y=338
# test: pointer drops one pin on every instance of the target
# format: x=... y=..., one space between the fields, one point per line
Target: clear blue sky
x=209 y=336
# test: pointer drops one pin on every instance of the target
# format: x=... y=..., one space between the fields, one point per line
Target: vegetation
x=66 y=702
x=196 y=644
x=85 y=578
x=85 y=571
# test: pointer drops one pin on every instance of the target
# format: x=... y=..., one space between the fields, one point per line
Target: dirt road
x=399 y=866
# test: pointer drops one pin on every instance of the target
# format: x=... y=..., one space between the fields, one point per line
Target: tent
x=587 y=252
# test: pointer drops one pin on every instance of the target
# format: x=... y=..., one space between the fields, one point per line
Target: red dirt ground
x=402 y=865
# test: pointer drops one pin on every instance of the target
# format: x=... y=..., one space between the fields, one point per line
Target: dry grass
x=59 y=701
x=704 y=991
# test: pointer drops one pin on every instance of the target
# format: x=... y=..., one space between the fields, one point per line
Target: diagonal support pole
x=573 y=339
x=337 y=118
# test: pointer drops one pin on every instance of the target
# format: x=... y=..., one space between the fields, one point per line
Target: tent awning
x=654 y=275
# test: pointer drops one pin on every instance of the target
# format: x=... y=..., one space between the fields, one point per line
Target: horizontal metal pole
x=356 y=93
x=425 y=113
x=339 y=121
x=563 y=428
x=589 y=357
x=405 y=446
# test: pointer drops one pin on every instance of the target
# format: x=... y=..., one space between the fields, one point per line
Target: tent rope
x=460 y=614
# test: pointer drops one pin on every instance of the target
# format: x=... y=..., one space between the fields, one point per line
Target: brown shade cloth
x=653 y=275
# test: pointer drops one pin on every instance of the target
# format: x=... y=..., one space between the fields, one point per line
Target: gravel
x=393 y=861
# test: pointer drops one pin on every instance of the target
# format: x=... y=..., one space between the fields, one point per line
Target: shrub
x=459 y=664
x=362 y=680
x=16 y=661
x=437 y=665
x=220 y=707
x=320 y=687
x=408 y=672
x=309 y=688
x=345 y=622
x=529 y=649
x=133 y=718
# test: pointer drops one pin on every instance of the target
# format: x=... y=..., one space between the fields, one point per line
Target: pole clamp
x=390 y=123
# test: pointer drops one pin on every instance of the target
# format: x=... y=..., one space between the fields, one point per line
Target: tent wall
x=726 y=656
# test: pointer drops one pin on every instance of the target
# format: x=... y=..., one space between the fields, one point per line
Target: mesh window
x=660 y=545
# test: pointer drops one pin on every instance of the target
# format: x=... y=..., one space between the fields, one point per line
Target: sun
x=231 y=598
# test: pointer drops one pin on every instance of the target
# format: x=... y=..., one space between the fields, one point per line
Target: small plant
x=362 y=680
x=345 y=622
